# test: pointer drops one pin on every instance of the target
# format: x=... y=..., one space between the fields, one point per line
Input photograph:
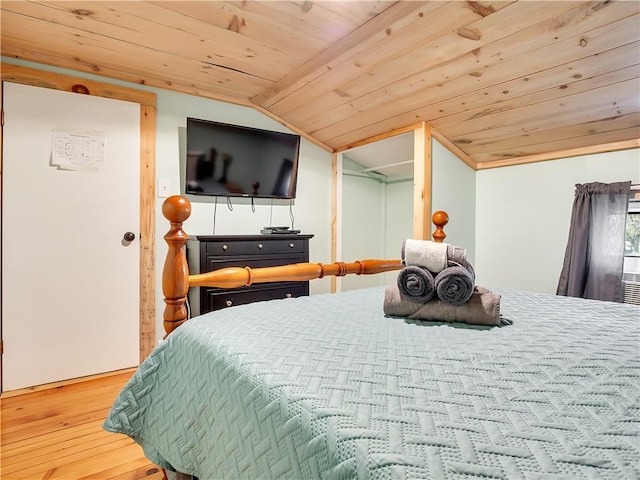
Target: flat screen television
x=232 y=160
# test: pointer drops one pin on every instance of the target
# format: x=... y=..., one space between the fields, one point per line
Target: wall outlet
x=164 y=187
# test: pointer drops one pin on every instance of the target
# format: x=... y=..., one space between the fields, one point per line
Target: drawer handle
x=229 y=303
x=288 y=295
x=224 y=247
x=291 y=245
x=260 y=246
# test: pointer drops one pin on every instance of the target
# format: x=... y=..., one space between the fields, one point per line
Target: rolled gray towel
x=416 y=283
x=434 y=256
x=483 y=308
x=456 y=254
x=468 y=267
x=455 y=284
x=424 y=253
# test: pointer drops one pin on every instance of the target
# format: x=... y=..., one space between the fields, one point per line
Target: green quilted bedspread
x=274 y=390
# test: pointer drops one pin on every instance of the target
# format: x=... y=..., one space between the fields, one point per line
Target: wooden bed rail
x=176 y=279
x=233 y=277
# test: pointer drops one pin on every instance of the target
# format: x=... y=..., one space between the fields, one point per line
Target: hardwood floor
x=57 y=434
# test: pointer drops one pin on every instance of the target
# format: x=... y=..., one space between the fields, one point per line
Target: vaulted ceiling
x=496 y=80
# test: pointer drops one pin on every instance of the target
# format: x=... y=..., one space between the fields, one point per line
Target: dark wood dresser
x=208 y=253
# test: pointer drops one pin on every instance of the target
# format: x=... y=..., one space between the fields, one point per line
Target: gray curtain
x=595 y=251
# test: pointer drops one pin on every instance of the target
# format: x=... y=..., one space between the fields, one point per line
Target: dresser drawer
x=255 y=247
x=212 y=262
x=215 y=299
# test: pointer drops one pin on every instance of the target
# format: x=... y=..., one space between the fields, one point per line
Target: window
x=632 y=233
x=631 y=266
x=632 y=238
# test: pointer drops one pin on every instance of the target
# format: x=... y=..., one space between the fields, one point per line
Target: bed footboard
x=176 y=279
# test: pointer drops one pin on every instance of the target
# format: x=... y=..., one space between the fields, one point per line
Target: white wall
x=399 y=224
x=523 y=214
x=363 y=221
x=311 y=209
x=377 y=216
x=453 y=189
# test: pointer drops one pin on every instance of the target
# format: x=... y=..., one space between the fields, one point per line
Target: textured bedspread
x=272 y=390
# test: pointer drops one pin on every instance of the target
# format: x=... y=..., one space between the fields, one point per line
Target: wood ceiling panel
x=561 y=77
x=605 y=102
x=603 y=138
x=87 y=47
x=530 y=55
x=216 y=29
x=332 y=21
x=15 y=50
x=458 y=95
x=392 y=58
x=431 y=56
x=476 y=118
x=477 y=63
x=483 y=144
x=497 y=79
x=245 y=19
x=197 y=40
x=368 y=37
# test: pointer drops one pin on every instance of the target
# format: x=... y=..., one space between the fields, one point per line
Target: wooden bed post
x=440 y=219
x=175 y=275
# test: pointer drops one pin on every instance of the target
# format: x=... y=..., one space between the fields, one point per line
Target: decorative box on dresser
x=208 y=253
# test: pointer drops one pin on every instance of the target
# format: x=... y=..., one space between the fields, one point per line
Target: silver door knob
x=129 y=237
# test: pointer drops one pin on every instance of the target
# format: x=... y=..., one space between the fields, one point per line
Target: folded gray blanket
x=483 y=308
x=416 y=283
x=455 y=284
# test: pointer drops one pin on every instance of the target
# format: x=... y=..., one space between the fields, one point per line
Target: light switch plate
x=164 y=187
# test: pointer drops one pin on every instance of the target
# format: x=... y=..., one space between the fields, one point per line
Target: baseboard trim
x=62 y=383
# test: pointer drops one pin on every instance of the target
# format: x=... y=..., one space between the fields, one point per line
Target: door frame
x=147 y=102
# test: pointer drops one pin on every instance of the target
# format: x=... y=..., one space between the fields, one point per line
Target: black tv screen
x=231 y=160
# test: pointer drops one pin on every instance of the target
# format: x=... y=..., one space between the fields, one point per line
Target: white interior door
x=70 y=283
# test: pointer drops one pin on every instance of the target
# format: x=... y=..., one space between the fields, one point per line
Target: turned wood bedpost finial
x=175 y=275
x=440 y=219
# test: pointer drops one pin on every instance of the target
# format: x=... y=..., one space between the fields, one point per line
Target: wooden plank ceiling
x=499 y=80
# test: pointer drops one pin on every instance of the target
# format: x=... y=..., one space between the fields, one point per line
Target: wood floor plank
x=43 y=415
x=108 y=379
x=57 y=434
x=29 y=444
x=71 y=392
x=43 y=455
x=42 y=426
x=79 y=464
x=136 y=470
x=19 y=410
x=141 y=474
